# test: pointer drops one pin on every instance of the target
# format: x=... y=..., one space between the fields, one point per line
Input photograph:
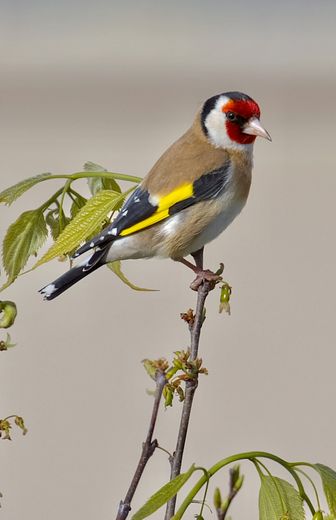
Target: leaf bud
x=225 y=505
x=168 y=395
x=177 y=363
x=20 y=423
x=224 y=299
x=318 y=515
x=234 y=474
x=217 y=499
x=239 y=483
x=9 y=311
x=150 y=368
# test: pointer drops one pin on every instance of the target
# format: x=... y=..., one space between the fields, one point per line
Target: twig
x=148 y=449
x=233 y=490
x=190 y=388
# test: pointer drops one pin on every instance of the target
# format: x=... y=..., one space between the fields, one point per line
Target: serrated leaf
x=90 y=166
x=279 y=500
x=116 y=268
x=164 y=494
x=11 y=194
x=328 y=477
x=100 y=183
x=23 y=238
x=83 y=225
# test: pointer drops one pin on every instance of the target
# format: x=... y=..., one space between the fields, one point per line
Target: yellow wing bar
x=164 y=204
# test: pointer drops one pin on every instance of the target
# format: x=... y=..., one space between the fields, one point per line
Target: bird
x=191 y=195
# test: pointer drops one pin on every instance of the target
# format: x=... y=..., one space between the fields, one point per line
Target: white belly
x=217 y=225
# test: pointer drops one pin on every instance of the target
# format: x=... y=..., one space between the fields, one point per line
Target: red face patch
x=244 y=110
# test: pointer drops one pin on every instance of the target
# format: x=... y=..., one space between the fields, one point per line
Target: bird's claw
x=205 y=276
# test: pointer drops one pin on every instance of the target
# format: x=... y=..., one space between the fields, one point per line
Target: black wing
x=140 y=208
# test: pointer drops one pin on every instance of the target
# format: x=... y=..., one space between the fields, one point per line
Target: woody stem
x=190 y=389
x=148 y=449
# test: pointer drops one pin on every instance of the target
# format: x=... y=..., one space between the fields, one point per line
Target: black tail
x=73 y=276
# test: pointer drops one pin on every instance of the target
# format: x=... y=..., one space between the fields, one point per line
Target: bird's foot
x=205 y=275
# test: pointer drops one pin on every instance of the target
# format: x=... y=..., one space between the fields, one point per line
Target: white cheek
x=215 y=124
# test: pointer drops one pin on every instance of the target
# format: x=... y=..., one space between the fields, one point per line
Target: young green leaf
x=100 y=183
x=90 y=166
x=78 y=203
x=116 y=268
x=8 y=313
x=23 y=238
x=52 y=220
x=279 y=500
x=83 y=224
x=164 y=494
x=11 y=194
x=328 y=477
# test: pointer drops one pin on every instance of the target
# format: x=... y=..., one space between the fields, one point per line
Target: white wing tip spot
x=113 y=231
x=48 y=290
x=92 y=244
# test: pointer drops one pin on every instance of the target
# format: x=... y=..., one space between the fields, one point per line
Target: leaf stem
x=61 y=213
x=313 y=486
x=234 y=458
x=148 y=449
x=50 y=201
x=205 y=491
x=85 y=175
x=257 y=464
x=190 y=389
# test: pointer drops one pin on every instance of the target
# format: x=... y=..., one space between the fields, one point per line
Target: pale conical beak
x=253 y=127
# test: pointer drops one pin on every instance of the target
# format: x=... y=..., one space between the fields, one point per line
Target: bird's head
x=232 y=120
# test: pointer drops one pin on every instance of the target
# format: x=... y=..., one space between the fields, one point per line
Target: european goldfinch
x=192 y=193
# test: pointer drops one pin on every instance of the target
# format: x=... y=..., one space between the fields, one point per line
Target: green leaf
x=84 y=223
x=328 y=477
x=90 y=166
x=279 y=500
x=23 y=239
x=116 y=268
x=164 y=494
x=8 y=313
x=11 y=194
x=100 y=183
x=78 y=203
x=52 y=220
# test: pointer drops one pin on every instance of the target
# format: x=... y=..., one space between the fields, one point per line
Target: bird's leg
x=198 y=257
x=202 y=275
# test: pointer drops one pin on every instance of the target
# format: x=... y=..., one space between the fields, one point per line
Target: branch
x=195 y=330
x=148 y=449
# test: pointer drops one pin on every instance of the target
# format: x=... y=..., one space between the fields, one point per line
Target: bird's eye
x=231 y=116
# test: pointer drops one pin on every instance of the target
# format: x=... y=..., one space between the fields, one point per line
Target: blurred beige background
x=116 y=83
